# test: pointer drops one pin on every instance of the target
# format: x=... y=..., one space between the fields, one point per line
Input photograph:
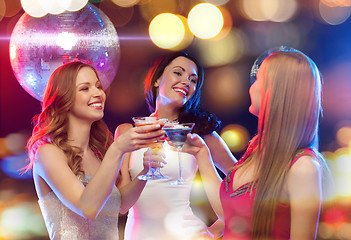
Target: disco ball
x=39 y=45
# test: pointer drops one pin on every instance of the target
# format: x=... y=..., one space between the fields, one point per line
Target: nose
x=97 y=91
x=186 y=81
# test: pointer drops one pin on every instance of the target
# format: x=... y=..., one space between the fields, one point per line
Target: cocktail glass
x=177 y=133
x=156 y=147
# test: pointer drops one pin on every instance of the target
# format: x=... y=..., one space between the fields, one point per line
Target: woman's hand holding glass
x=194 y=144
x=154 y=159
x=156 y=146
x=139 y=137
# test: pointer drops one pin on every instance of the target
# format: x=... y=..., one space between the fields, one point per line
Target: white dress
x=163 y=211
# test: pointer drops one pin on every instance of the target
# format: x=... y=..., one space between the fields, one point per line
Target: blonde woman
x=274 y=191
x=75 y=160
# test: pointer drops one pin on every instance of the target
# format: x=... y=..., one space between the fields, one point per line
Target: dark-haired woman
x=172 y=90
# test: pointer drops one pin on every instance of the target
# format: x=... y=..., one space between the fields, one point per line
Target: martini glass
x=177 y=133
x=156 y=147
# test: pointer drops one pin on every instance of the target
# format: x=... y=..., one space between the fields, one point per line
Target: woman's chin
x=253 y=111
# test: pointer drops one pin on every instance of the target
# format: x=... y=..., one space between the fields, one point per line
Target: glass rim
x=149 y=120
x=172 y=125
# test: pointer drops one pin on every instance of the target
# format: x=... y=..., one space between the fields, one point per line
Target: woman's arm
x=216 y=229
x=51 y=166
x=220 y=153
x=130 y=189
x=304 y=182
x=210 y=178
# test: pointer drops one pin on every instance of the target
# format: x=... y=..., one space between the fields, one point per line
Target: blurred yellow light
x=343 y=136
x=231 y=137
x=218 y=52
x=188 y=35
x=334 y=15
x=55 y=6
x=166 y=30
x=235 y=136
x=253 y=10
x=205 y=20
x=21 y=221
x=150 y=9
x=269 y=8
x=343 y=163
x=285 y=11
x=76 y=5
x=217 y=2
x=227 y=24
x=342 y=186
x=125 y=3
x=274 y=10
x=33 y=8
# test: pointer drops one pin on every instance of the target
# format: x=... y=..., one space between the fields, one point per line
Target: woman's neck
x=166 y=112
x=79 y=134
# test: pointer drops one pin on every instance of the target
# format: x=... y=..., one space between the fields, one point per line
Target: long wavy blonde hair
x=51 y=125
x=288 y=121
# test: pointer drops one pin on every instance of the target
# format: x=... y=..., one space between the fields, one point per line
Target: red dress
x=238 y=205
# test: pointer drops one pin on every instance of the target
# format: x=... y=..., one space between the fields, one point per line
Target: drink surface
x=177 y=135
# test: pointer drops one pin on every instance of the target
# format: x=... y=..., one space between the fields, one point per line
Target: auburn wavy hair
x=51 y=125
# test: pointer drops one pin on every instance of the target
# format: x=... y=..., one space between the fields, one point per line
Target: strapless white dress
x=163 y=211
x=64 y=224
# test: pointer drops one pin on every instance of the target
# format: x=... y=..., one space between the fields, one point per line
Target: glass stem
x=180 y=164
x=149 y=171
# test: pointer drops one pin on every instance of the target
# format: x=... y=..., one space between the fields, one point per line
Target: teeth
x=181 y=91
x=96 y=105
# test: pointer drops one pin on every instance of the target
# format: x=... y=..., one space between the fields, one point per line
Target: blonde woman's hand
x=139 y=137
x=194 y=144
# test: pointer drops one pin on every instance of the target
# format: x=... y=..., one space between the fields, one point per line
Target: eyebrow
x=83 y=83
x=193 y=74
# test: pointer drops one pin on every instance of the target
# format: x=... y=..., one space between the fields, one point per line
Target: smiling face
x=89 y=97
x=177 y=82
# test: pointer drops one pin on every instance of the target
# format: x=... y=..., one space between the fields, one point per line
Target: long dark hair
x=205 y=122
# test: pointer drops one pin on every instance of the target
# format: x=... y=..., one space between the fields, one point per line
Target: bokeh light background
x=235 y=33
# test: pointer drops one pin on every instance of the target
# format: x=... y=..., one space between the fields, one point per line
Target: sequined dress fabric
x=163 y=211
x=238 y=205
x=64 y=224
